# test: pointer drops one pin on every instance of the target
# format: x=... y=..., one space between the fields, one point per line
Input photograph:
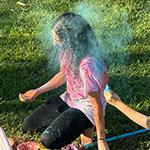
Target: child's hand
x=29 y=95
x=111 y=97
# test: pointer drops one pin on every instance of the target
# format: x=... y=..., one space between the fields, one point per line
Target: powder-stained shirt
x=92 y=77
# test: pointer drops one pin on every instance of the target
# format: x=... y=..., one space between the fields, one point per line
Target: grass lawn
x=123 y=30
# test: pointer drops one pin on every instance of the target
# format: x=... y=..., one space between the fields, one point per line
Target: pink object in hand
x=30 y=145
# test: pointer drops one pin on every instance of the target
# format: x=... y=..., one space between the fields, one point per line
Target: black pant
x=63 y=124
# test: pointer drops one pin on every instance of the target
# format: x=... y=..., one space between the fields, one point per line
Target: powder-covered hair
x=77 y=39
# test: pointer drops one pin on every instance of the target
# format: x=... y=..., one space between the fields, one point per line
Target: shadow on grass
x=20 y=77
x=131 y=89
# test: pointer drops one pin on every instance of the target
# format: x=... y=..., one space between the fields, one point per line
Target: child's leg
x=65 y=129
x=113 y=99
x=44 y=115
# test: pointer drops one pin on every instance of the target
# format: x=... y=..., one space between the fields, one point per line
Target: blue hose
x=87 y=146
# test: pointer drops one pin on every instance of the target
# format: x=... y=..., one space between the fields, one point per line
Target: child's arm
x=99 y=120
x=113 y=99
x=58 y=80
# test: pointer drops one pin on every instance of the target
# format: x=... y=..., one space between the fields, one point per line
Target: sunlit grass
x=24 y=63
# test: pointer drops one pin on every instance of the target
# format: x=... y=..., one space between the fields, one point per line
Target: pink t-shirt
x=92 y=77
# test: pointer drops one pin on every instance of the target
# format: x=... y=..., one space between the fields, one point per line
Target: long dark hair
x=77 y=37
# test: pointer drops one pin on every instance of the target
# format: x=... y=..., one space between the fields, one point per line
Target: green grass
x=25 y=45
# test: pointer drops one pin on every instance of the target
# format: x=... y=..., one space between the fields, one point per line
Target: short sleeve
x=90 y=76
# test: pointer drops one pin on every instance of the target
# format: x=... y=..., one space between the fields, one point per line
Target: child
x=82 y=106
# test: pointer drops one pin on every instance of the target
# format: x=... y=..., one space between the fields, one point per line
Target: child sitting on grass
x=82 y=106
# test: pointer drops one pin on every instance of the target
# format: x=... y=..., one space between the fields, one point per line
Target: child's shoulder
x=89 y=60
x=92 y=63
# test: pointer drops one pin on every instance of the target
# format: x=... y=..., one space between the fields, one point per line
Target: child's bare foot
x=86 y=136
x=85 y=140
x=111 y=97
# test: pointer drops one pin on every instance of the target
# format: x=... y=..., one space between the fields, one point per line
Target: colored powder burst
x=110 y=24
x=111 y=27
